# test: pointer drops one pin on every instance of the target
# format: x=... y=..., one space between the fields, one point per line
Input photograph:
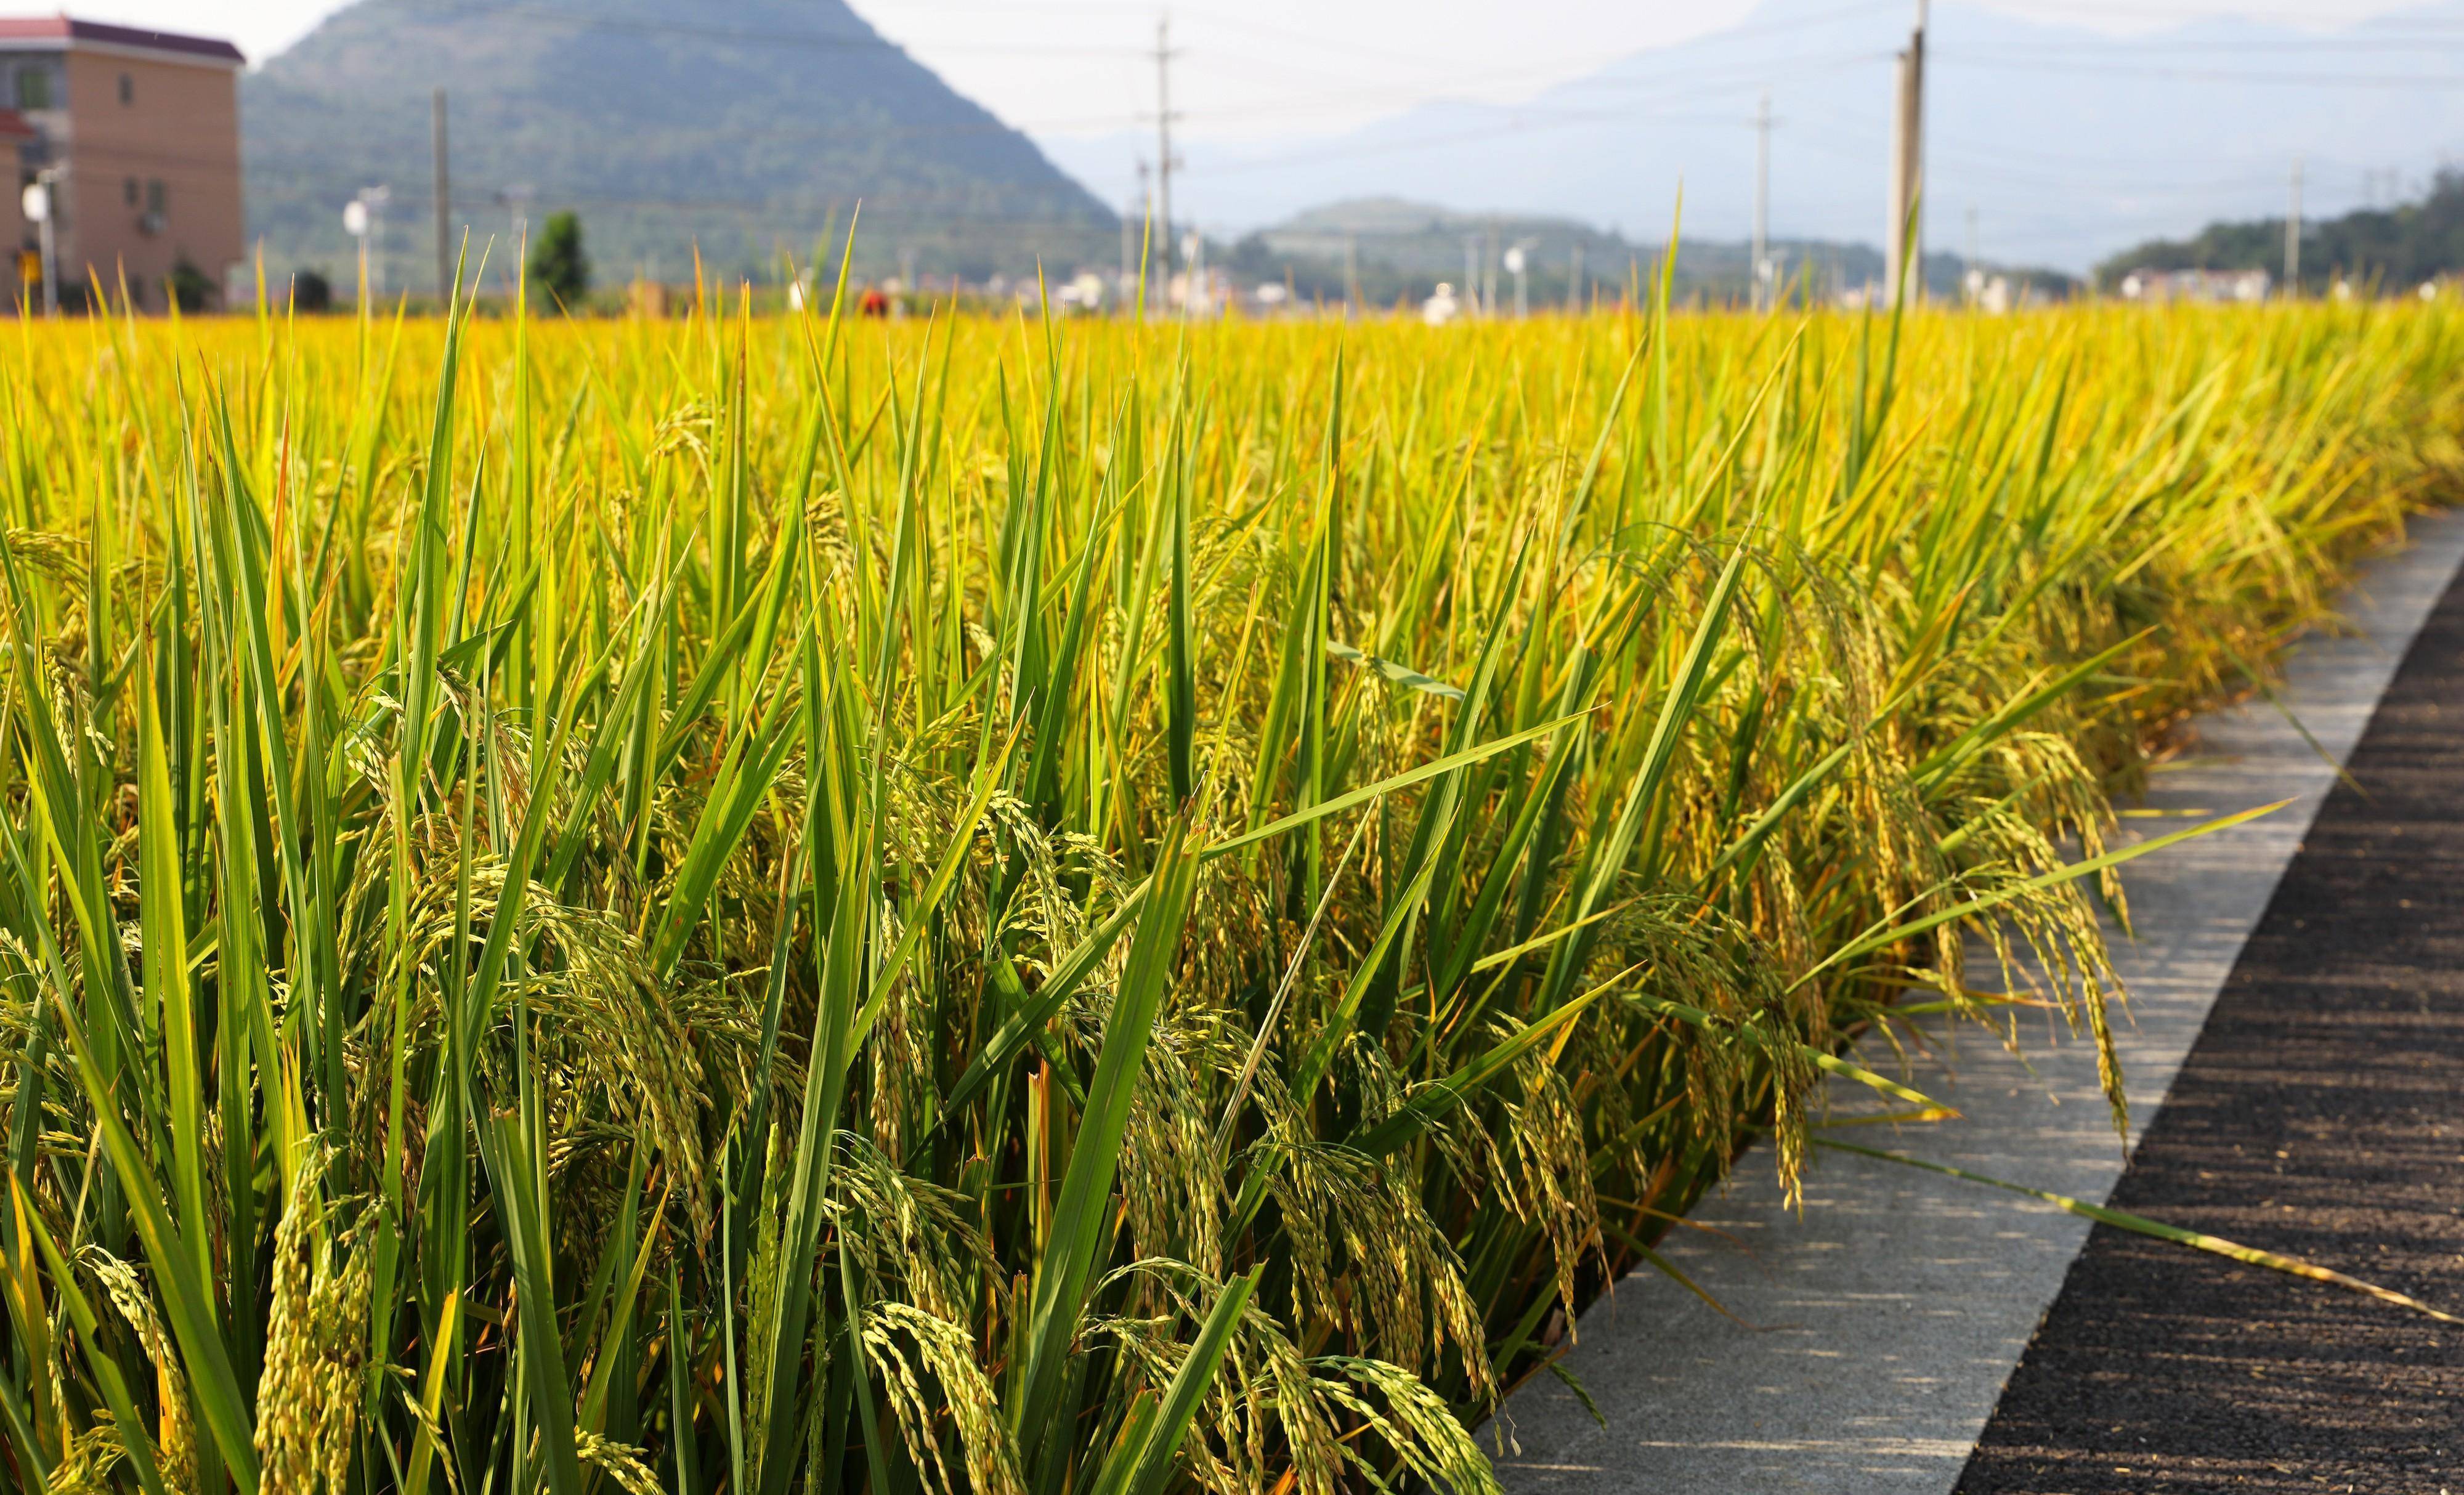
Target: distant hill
x=1404 y=246
x=2398 y=247
x=2067 y=142
x=744 y=128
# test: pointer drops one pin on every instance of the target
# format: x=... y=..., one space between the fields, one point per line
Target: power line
x=2035 y=63
x=1693 y=83
x=1527 y=119
x=2138 y=10
x=1859 y=146
x=1750 y=28
x=557 y=15
x=1280 y=106
x=2254 y=45
x=1850 y=137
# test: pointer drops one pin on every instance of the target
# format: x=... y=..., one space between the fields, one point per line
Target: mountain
x=744 y=128
x=2068 y=143
x=1401 y=248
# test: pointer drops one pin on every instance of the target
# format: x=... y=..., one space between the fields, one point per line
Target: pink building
x=139 y=132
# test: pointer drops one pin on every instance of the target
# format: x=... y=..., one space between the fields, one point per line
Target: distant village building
x=1200 y=291
x=2209 y=286
x=136 y=134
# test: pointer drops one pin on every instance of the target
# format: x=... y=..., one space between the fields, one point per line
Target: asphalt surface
x=1885 y=1318
x=2320 y=1114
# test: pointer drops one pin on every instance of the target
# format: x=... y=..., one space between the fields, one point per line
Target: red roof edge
x=66 y=30
x=14 y=126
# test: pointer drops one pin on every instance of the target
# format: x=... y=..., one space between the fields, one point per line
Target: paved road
x=1891 y=1312
x=2320 y=1114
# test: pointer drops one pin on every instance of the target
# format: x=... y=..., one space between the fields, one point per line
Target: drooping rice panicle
x=743 y=905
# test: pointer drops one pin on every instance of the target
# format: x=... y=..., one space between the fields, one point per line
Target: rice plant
x=736 y=905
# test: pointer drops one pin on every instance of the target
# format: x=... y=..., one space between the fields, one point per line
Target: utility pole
x=1759 y=271
x=444 y=197
x=1130 y=229
x=1471 y=273
x=1163 y=141
x=1904 y=254
x=1917 y=153
x=1489 y=270
x=2293 y=239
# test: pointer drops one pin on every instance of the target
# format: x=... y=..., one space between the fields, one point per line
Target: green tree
x=558 y=265
x=192 y=288
x=2393 y=247
x=312 y=291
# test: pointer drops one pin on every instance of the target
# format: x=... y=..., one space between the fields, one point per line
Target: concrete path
x=1890 y=1313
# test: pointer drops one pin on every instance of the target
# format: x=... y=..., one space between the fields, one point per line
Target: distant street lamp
x=1516 y=263
x=36 y=203
x=363 y=219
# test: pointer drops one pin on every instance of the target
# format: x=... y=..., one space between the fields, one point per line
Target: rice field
x=744 y=905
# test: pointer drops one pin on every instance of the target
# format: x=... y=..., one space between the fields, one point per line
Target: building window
x=34 y=86
x=154 y=196
x=127 y=89
x=128 y=192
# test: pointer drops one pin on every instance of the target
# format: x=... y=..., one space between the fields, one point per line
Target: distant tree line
x=1406 y=266
x=2397 y=247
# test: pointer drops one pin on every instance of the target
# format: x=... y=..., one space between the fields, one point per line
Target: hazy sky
x=1262 y=68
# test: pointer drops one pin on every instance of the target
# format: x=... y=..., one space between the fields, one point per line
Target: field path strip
x=1887 y=1318
x=2320 y=1114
